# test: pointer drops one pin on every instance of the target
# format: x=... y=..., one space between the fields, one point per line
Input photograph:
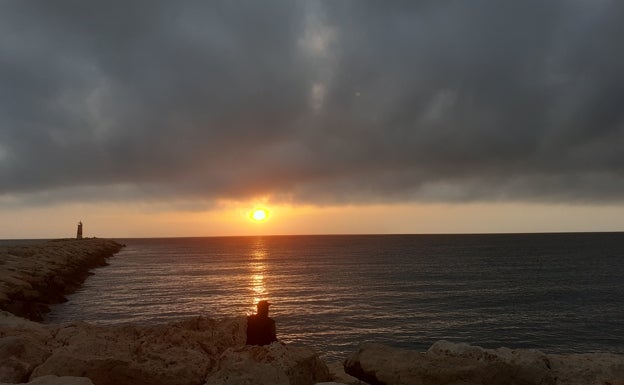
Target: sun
x=259 y=214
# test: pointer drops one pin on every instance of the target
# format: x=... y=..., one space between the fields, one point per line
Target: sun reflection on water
x=258 y=269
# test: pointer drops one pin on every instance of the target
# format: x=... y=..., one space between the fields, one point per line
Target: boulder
x=23 y=346
x=454 y=364
x=443 y=364
x=19 y=355
x=276 y=364
x=337 y=374
x=520 y=366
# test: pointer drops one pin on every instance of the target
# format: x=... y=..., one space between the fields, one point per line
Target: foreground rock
x=276 y=364
x=338 y=375
x=454 y=364
x=194 y=351
x=33 y=277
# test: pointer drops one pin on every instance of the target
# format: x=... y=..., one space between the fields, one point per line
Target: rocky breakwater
x=195 y=351
x=35 y=276
x=447 y=363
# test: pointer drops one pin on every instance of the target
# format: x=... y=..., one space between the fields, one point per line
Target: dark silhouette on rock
x=79 y=231
x=260 y=327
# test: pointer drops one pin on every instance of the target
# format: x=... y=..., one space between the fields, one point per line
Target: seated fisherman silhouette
x=261 y=328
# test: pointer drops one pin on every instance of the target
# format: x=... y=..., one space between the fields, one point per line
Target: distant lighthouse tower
x=79 y=232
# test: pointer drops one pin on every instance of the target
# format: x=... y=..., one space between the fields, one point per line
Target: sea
x=558 y=292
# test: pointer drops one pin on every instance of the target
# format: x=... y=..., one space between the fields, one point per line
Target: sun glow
x=259 y=214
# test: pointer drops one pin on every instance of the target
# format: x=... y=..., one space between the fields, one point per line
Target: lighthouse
x=79 y=232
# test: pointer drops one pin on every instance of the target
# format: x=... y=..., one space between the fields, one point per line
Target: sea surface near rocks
x=561 y=293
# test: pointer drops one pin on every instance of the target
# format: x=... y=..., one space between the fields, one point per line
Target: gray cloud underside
x=345 y=101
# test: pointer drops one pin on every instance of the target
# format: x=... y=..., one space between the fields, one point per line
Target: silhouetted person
x=261 y=328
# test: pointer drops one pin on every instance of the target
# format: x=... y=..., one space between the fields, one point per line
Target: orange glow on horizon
x=233 y=218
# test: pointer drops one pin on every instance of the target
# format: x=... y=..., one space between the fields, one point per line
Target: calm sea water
x=555 y=292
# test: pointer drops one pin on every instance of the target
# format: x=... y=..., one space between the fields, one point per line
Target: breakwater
x=201 y=350
x=33 y=277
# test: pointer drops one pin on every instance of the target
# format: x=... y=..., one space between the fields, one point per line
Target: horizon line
x=322 y=235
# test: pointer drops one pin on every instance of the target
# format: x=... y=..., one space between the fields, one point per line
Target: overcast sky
x=316 y=102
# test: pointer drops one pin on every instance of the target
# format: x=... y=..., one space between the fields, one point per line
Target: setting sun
x=259 y=215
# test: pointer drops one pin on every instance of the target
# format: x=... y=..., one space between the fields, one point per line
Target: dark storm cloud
x=313 y=101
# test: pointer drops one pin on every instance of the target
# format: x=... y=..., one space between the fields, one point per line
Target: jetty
x=33 y=277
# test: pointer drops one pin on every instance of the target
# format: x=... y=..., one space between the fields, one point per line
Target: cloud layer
x=321 y=102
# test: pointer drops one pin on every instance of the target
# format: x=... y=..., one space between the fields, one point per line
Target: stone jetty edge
x=202 y=350
x=33 y=277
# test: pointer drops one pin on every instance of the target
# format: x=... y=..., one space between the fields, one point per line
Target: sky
x=160 y=118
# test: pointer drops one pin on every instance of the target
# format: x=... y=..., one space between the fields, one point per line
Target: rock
x=449 y=363
x=10 y=322
x=466 y=365
x=192 y=351
x=590 y=368
x=23 y=346
x=55 y=380
x=276 y=364
x=337 y=374
x=19 y=355
x=179 y=353
x=524 y=366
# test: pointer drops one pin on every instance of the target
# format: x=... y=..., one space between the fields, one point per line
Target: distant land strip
x=35 y=276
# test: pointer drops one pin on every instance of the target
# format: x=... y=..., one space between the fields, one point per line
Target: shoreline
x=191 y=351
x=35 y=276
x=201 y=350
